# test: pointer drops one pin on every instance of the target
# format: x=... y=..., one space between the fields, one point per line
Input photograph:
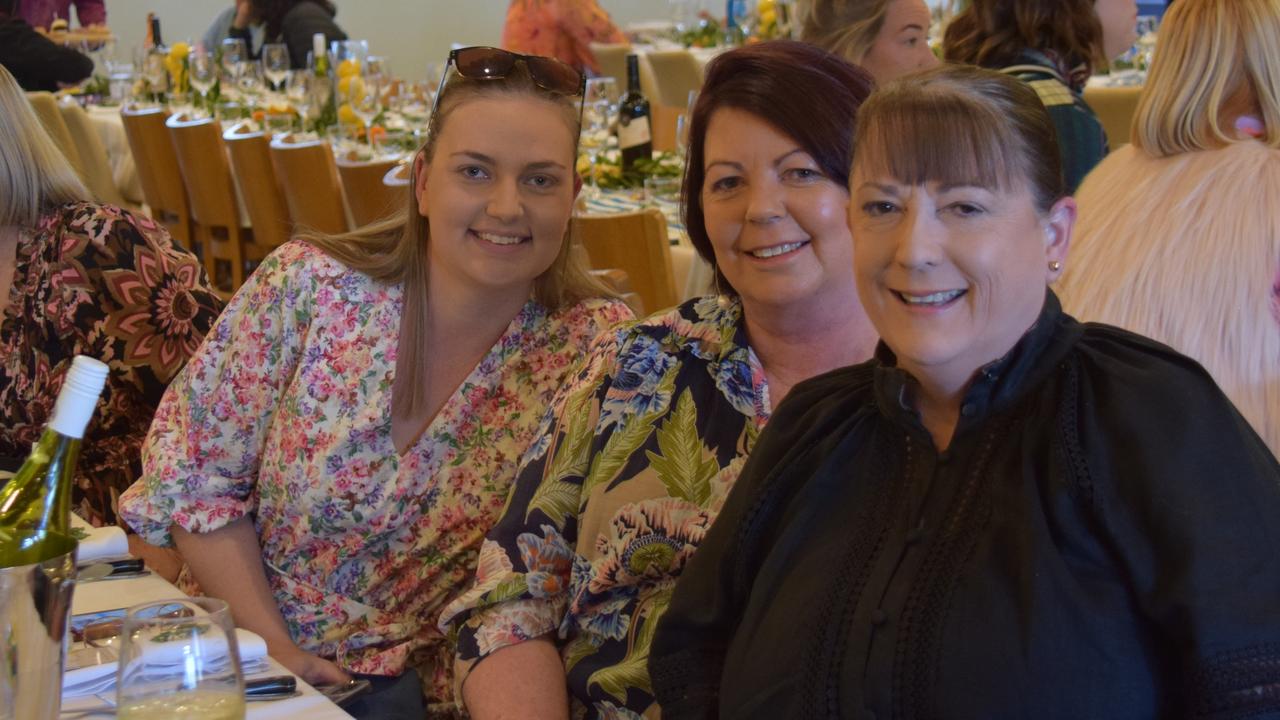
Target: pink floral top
x=285 y=414
x=562 y=29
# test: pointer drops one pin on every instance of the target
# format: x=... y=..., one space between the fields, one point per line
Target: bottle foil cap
x=79 y=396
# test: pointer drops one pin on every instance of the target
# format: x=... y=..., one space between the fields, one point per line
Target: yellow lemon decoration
x=347 y=116
x=179 y=50
x=348 y=68
x=351 y=87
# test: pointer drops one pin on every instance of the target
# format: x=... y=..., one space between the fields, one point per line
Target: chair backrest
x=259 y=187
x=312 y=189
x=46 y=107
x=399 y=176
x=367 y=195
x=158 y=170
x=206 y=172
x=612 y=59
x=675 y=73
x=95 y=165
x=1115 y=107
x=635 y=242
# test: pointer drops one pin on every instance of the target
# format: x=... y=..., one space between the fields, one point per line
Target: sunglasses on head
x=488 y=63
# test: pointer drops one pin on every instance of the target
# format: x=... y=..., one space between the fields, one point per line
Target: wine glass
x=235 y=56
x=682 y=136
x=300 y=92
x=598 y=111
x=203 y=72
x=362 y=92
x=179 y=658
x=275 y=64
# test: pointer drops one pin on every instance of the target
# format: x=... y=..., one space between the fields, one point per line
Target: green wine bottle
x=35 y=505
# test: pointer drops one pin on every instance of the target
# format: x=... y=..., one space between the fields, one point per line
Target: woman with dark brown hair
x=1007 y=513
x=1053 y=46
x=293 y=22
x=647 y=440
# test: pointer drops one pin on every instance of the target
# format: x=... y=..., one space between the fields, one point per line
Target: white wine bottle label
x=79 y=396
x=633 y=133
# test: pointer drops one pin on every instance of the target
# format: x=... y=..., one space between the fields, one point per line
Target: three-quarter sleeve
x=1188 y=495
x=521 y=590
x=200 y=459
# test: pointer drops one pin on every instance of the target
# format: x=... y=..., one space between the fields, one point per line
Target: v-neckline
x=448 y=409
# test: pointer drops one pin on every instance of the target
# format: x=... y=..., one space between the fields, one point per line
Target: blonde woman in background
x=888 y=38
x=332 y=458
x=1179 y=235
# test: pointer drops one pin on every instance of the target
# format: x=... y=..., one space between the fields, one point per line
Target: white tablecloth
x=111 y=594
x=106 y=120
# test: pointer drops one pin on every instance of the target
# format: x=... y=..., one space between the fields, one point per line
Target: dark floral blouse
x=100 y=281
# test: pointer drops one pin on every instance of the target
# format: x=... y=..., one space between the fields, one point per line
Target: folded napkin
x=102 y=543
x=101 y=677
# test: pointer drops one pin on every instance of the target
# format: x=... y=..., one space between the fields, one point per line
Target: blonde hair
x=1208 y=51
x=847 y=28
x=395 y=249
x=35 y=176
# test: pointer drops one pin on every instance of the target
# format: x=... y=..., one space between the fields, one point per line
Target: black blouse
x=1100 y=540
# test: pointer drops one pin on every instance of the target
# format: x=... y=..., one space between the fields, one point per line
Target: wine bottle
x=35 y=505
x=327 y=104
x=635 y=138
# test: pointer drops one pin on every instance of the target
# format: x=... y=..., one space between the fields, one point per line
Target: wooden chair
x=612 y=59
x=400 y=176
x=158 y=172
x=312 y=188
x=46 y=107
x=636 y=243
x=229 y=247
x=369 y=198
x=259 y=187
x=1115 y=107
x=675 y=73
x=94 y=164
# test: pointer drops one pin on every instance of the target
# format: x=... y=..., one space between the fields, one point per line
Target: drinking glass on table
x=203 y=73
x=120 y=76
x=362 y=93
x=235 y=58
x=301 y=93
x=179 y=659
x=597 y=119
x=275 y=64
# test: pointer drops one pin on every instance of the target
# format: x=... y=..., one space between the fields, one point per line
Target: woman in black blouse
x=1004 y=514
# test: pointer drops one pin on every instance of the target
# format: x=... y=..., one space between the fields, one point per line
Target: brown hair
x=845 y=27
x=991 y=33
x=1208 y=52
x=395 y=249
x=962 y=125
x=808 y=94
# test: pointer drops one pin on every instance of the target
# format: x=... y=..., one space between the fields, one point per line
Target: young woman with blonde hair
x=1179 y=235
x=330 y=461
x=887 y=38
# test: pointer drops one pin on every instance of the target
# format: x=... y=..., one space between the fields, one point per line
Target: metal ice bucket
x=35 y=604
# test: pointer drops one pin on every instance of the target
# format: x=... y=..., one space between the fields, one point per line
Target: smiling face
x=952 y=277
x=775 y=221
x=497 y=194
x=902 y=45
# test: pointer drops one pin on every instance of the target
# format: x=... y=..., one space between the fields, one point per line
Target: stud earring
x=1055 y=266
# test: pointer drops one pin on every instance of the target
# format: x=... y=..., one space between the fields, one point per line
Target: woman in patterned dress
x=79 y=278
x=647 y=440
x=330 y=461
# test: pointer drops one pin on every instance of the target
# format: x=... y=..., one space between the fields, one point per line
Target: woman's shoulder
x=582 y=322
x=299 y=262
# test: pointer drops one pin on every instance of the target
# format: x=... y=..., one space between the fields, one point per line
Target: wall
x=412 y=33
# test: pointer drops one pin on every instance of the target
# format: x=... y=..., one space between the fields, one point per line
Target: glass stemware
x=203 y=73
x=275 y=64
x=598 y=111
x=179 y=659
x=299 y=90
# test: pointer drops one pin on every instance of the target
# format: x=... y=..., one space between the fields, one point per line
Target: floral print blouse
x=100 y=281
x=612 y=501
x=285 y=415
x=562 y=29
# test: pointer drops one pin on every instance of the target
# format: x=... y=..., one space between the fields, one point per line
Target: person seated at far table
x=79 y=278
x=292 y=22
x=562 y=29
x=1007 y=513
x=331 y=459
x=35 y=61
x=43 y=13
x=887 y=38
x=646 y=441
x=239 y=15
x=1053 y=46
x=1179 y=234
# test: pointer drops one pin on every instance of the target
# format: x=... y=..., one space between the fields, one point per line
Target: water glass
x=120 y=75
x=275 y=64
x=179 y=659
